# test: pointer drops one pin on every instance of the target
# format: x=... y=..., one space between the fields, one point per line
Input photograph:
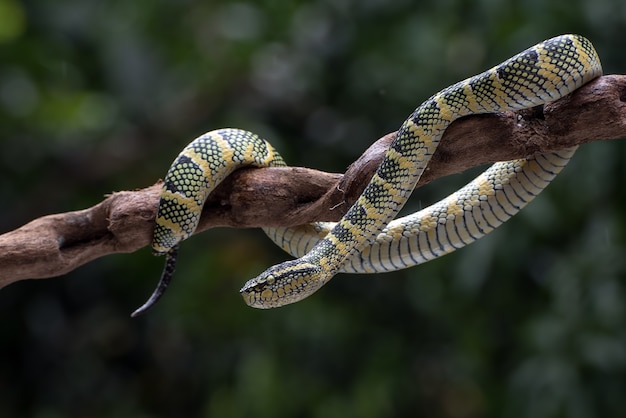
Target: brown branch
x=123 y=222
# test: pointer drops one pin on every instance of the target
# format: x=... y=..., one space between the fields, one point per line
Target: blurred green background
x=99 y=96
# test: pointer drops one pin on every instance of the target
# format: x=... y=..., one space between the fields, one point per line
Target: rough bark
x=123 y=222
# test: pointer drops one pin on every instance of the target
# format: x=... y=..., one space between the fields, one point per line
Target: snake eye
x=270 y=279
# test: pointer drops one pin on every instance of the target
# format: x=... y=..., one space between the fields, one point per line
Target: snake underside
x=366 y=240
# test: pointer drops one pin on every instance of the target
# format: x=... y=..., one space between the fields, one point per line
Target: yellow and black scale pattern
x=364 y=240
x=199 y=168
x=460 y=219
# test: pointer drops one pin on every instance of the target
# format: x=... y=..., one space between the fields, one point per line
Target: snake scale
x=367 y=239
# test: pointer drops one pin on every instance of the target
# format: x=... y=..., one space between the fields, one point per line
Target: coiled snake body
x=366 y=240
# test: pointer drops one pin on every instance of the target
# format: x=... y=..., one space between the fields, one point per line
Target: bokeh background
x=99 y=96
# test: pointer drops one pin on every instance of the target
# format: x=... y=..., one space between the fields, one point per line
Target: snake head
x=283 y=284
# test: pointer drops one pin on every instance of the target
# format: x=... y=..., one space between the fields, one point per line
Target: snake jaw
x=283 y=284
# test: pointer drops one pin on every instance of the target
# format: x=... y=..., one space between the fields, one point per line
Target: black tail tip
x=164 y=281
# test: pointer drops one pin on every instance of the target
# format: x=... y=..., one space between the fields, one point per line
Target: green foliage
x=101 y=96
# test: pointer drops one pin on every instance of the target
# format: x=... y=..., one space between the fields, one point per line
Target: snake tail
x=166 y=277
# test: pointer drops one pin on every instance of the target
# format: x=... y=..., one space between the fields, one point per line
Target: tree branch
x=123 y=222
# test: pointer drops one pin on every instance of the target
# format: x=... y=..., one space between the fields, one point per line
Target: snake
x=367 y=239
